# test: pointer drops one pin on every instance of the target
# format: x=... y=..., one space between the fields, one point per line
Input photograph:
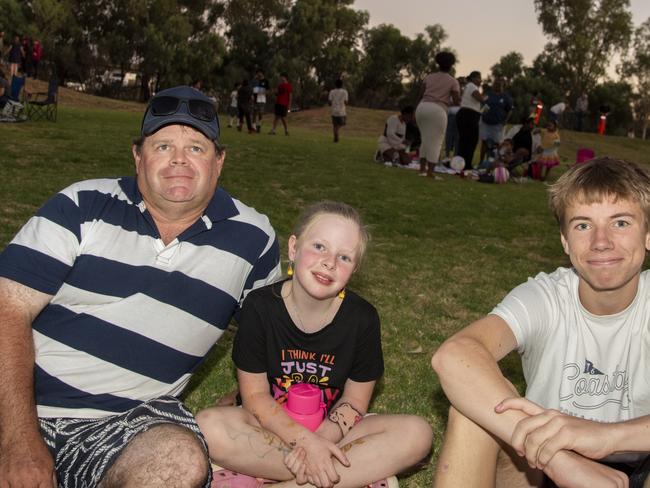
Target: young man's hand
x=540 y=436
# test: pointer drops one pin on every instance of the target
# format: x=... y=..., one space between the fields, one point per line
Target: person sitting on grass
x=548 y=157
x=111 y=297
x=392 y=144
x=583 y=334
x=311 y=329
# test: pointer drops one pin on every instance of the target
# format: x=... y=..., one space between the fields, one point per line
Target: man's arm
x=24 y=458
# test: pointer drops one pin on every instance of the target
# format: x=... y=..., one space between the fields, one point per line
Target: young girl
x=311 y=329
x=549 y=157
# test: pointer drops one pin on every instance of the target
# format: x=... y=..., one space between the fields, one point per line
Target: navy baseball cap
x=181 y=105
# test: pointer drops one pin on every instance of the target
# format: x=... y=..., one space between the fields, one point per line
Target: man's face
x=177 y=168
x=606 y=242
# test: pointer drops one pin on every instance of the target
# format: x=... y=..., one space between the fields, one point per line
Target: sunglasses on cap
x=199 y=109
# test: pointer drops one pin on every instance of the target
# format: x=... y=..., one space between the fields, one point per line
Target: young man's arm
x=467 y=367
x=547 y=431
x=24 y=458
x=469 y=374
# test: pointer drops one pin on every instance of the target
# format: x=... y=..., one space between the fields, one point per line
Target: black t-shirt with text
x=268 y=341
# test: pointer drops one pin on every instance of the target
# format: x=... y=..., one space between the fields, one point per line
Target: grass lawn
x=443 y=252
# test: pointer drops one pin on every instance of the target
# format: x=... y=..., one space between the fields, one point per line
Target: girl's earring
x=341 y=294
x=290 y=269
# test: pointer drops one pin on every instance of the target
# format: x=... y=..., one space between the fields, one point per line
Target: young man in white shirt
x=584 y=337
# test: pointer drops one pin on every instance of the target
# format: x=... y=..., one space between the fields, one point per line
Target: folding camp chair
x=43 y=105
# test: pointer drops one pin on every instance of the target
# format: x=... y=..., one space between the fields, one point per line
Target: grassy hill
x=443 y=252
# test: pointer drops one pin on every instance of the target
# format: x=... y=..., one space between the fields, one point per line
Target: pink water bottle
x=304 y=405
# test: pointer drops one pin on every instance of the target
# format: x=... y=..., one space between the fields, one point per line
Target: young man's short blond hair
x=597 y=180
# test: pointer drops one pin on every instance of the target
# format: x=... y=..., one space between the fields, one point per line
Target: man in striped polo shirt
x=111 y=296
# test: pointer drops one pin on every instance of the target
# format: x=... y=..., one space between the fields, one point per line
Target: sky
x=480 y=32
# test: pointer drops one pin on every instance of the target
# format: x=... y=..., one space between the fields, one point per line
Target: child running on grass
x=310 y=329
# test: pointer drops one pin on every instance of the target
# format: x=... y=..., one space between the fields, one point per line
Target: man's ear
x=220 y=159
x=136 y=157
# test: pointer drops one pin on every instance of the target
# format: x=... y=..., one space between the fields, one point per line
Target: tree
x=618 y=97
x=12 y=20
x=422 y=52
x=584 y=34
x=317 y=43
x=509 y=68
x=383 y=66
x=636 y=66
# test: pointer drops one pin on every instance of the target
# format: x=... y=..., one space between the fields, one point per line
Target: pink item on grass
x=584 y=154
x=501 y=174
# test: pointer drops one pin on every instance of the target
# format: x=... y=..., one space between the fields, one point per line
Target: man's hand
x=540 y=436
x=25 y=464
x=319 y=461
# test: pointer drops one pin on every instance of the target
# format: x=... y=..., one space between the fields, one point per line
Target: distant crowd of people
x=454 y=115
x=248 y=103
x=21 y=55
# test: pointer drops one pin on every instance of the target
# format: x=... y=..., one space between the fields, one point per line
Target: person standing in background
x=439 y=91
x=337 y=99
x=468 y=118
x=15 y=56
x=493 y=120
x=260 y=87
x=582 y=106
x=282 y=103
x=37 y=55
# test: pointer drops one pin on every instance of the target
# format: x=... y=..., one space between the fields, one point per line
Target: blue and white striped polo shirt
x=130 y=317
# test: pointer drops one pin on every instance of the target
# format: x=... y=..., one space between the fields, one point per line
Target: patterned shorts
x=84 y=449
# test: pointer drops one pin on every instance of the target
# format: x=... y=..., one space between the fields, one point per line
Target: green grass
x=443 y=253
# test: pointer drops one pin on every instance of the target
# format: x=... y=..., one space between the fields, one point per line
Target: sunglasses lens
x=202 y=110
x=164 y=105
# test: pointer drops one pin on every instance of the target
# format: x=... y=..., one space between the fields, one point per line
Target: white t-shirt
x=558 y=108
x=589 y=366
x=393 y=136
x=338 y=97
x=467 y=100
x=233 y=98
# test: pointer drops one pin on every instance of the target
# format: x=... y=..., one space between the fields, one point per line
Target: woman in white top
x=468 y=118
x=438 y=92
